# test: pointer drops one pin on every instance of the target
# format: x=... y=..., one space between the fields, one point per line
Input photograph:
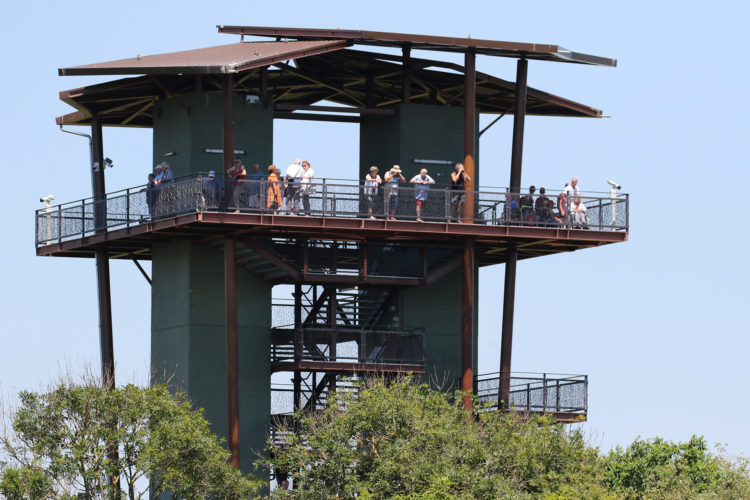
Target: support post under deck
x=230 y=298
x=106 y=344
x=467 y=325
x=509 y=292
x=470 y=90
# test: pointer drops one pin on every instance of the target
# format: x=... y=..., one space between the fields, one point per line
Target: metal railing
x=348 y=345
x=321 y=198
x=538 y=393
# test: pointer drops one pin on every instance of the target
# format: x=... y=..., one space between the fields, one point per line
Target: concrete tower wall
x=188 y=328
x=190 y=133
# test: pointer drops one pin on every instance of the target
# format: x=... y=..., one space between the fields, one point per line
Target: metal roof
x=442 y=43
x=347 y=77
x=232 y=58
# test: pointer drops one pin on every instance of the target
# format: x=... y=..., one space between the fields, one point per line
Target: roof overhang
x=233 y=58
x=545 y=52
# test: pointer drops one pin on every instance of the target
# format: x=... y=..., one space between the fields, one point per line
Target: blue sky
x=660 y=324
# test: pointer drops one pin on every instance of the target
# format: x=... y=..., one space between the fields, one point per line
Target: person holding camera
x=392 y=178
x=459 y=178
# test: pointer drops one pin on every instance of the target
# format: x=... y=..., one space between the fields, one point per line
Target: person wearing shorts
x=422 y=183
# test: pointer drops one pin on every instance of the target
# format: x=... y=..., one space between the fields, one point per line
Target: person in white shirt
x=372 y=181
x=292 y=182
x=422 y=181
x=571 y=191
x=307 y=186
x=578 y=214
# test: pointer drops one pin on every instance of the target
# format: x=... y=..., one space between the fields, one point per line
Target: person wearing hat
x=392 y=178
x=372 y=181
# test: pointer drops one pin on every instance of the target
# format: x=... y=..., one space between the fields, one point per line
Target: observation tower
x=367 y=294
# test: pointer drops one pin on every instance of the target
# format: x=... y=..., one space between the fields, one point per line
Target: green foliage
x=405 y=441
x=660 y=469
x=61 y=444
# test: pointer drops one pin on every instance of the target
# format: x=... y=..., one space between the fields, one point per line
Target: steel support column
x=406 y=52
x=509 y=292
x=104 y=296
x=297 y=379
x=106 y=344
x=519 y=120
x=230 y=299
x=228 y=91
x=467 y=325
x=506 y=345
x=470 y=90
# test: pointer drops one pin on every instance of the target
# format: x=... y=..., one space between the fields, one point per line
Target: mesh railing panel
x=492 y=206
x=348 y=345
x=543 y=393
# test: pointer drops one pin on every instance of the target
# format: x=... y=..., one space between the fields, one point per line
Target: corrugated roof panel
x=210 y=60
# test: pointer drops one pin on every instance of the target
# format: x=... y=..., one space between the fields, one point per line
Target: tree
x=656 y=468
x=404 y=440
x=56 y=446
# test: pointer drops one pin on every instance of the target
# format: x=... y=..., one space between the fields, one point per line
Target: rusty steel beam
x=233 y=394
x=330 y=366
x=470 y=93
x=316 y=117
x=519 y=119
x=334 y=109
x=140 y=268
x=271 y=257
x=228 y=94
x=506 y=343
x=406 y=62
x=467 y=325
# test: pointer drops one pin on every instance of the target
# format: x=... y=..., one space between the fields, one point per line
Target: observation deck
x=127 y=222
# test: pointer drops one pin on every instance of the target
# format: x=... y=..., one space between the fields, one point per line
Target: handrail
x=322 y=198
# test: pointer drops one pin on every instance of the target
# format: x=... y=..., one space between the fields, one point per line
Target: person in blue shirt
x=422 y=183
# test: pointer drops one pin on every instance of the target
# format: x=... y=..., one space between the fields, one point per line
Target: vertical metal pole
x=509 y=292
x=106 y=344
x=507 y=332
x=467 y=325
x=228 y=92
x=298 y=330
x=97 y=176
x=470 y=90
x=406 y=51
x=519 y=120
x=230 y=299
x=102 y=259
